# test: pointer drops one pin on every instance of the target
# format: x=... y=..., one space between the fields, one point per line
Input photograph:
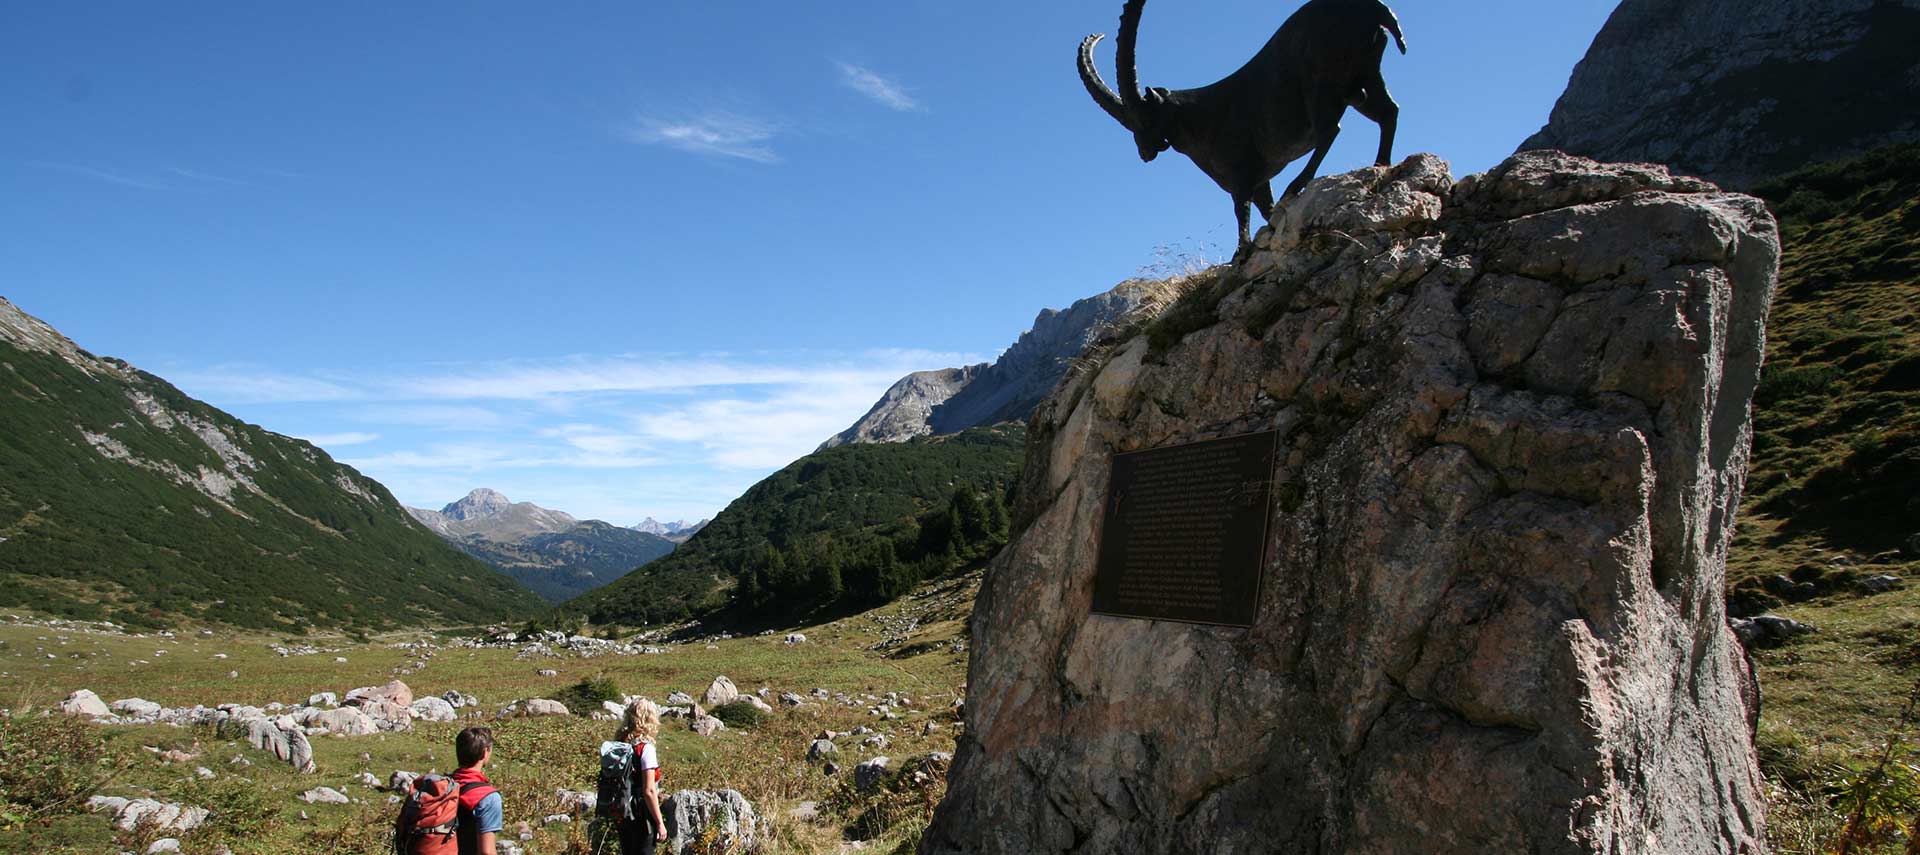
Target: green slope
x=122 y=498
x=562 y=564
x=1836 y=453
x=840 y=527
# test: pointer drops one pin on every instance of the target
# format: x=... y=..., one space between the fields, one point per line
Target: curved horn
x=1096 y=87
x=1129 y=78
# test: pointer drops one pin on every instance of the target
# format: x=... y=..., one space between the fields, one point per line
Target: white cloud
x=246 y=385
x=882 y=91
x=608 y=436
x=341 y=440
x=719 y=133
x=99 y=174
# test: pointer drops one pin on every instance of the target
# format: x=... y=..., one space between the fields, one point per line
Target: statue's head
x=1149 y=125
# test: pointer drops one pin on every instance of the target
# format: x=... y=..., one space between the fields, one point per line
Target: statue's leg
x=1326 y=113
x=1240 y=214
x=1376 y=104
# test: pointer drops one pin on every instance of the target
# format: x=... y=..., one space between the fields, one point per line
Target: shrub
x=585 y=697
x=739 y=714
x=52 y=764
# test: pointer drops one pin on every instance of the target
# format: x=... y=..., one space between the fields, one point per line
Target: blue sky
x=626 y=259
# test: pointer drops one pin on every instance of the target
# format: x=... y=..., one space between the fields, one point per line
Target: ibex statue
x=1283 y=103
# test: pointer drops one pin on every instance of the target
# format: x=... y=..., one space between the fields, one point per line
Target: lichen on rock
x=1514 y=421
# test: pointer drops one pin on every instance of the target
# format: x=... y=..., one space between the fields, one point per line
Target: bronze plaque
x=1185 y=532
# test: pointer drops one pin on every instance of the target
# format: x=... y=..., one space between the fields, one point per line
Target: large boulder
x=721 y=691
x=139 y=709
x=84 y=702
x=344 y=721
x=395 y=692
x=736 y=825
x=1513 y=421
x=433 y=709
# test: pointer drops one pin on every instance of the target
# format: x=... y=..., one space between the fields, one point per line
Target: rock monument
x=1513 y=425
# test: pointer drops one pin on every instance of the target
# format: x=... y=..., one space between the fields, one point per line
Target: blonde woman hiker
x=629 y=793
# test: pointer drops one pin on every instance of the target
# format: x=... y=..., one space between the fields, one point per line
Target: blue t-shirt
x=488 y=818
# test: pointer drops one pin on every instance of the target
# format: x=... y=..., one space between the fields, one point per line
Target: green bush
x=739 y=714
x=50 y=765
x=585 y=697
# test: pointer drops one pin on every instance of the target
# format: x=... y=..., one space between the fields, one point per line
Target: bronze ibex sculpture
x=1283 y=103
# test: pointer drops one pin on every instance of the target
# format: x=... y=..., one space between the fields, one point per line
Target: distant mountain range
x=950 y=400
x=122 y=498
x=677 y=531
x=551 y=552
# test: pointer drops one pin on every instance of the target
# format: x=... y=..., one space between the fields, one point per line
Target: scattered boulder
x=791 y=699
x=324 y=796
x=796 y=638
x=138 y=708
x=395 y=692
x=871 y=773
x=756 y=703
x=576 y=802
x=706 y=725
x=613 y=708
x=679 y=699
x=433 y=709
x=164 y=844
x=85 y=703
x=459 y=700
x=401 y=781
x=366 y=779
x=1879 y=584
x=735 y=824
x=323 y=699
x=820 y=750
x=344 y=721
x=721 y=691
x=161 y=815
x=547 y=672
x=531 y=707
x=1767 y=630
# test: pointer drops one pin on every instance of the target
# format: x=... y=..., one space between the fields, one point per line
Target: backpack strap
x=484 y=789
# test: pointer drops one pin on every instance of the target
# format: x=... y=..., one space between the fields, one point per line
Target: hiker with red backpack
x=629 y=793
x=455 y=815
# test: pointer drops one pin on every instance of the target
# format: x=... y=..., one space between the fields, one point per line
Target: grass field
x=256 y=807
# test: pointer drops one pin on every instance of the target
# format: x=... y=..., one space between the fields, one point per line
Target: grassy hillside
x=122 y=498
x=843 y=526
x=1833 y=496
x=559 y=565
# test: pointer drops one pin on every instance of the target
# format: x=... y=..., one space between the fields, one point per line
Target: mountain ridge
x=123 y=498
x=949 y=400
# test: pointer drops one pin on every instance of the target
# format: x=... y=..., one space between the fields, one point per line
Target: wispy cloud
x=341 y=440
x=197 y=175
x=716 y=133
x=98 y=174
x=240 y=384
x=699 y=426
x=870 y=83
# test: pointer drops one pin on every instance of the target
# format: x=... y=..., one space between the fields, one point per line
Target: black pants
x=637 y=836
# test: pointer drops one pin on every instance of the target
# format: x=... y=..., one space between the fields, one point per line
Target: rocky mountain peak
x=950 y=400
x=479 y=504
x=1740 y=92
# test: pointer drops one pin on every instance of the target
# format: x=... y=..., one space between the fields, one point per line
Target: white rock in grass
x=324 y=796
x=85 y=702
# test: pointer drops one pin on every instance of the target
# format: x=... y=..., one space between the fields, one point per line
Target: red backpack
x=429 y=820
